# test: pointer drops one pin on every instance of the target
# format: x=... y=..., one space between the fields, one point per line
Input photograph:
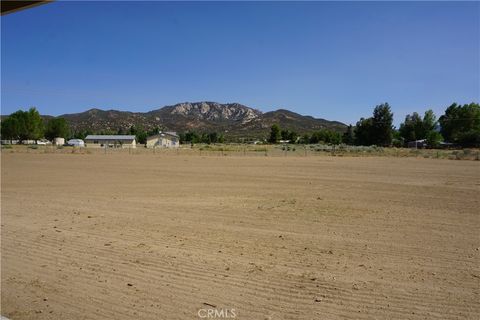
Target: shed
x=59 y=141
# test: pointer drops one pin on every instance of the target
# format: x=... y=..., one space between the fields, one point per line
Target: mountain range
x=234 y=120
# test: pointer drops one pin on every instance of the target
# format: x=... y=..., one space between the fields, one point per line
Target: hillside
x=233 y=119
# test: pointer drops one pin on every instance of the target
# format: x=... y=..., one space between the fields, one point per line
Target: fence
x=243 y=150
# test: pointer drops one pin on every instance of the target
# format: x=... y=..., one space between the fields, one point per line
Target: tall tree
x=349 y=136
x=24 y=125
x=461 y=124
x=382 y=125
x=412 y=129
x=35 y=126
x=364 y=132
x=10 y=128
x=274 y=134
x=57 y=127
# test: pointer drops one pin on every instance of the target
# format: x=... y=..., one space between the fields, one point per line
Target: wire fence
x=243 y=150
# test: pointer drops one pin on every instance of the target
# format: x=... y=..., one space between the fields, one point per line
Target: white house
x=163 y=139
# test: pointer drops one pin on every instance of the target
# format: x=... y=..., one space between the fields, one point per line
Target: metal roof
x=109 y=137
x=163 y=134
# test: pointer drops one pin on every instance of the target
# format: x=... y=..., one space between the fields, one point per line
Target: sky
x=331 y=60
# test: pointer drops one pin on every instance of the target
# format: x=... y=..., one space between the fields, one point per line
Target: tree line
x=204 y=137
x=29 y=125
x=459 y=125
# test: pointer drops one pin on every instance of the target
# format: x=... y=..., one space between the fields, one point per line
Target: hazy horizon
x=329 y=60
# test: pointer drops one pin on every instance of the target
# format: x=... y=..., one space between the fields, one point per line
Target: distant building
x=417 y=144
x=111 y=141
x=59 y=141
x=76 y=143
x=163 y=139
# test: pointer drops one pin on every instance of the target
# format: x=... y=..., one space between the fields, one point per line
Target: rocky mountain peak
x=214 y=111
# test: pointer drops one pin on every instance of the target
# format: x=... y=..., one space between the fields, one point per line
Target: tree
x=274 y=134
x=304 y=139
x=139 y=133
x=461 y=124
x=349 y=136
x=429 y=121
x=434 y=138
x=10 y=128
x=412 y=129
x=57 y=127
x=35 y=126
x=326 y=136
x=192 y=137
x=364 y=132
x=416 y=128
x=24 y=125
x=382 y=125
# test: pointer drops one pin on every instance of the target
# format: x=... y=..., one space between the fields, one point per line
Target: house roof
x=163 y=134
x=109 y=137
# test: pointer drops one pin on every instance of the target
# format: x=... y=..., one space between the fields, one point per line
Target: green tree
x=274 y=134
x=35 y=126
x=57 y=127
x=416 y=128
x=10 y=128
x=382 y=125
x=349 y=136
x=24 y=125
x=192 y=137
x=412 y=128
x=429 y=121
x=461 y=124
x=364 y=132
x=305 y=139
x=434 y=138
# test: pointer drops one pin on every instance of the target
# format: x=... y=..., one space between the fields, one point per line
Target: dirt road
x=170 y=237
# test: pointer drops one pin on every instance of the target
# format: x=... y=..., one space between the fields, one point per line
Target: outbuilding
x=163 y=139
x=111 y=141
x=59 y=141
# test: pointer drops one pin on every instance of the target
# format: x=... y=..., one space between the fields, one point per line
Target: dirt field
x=123 y=236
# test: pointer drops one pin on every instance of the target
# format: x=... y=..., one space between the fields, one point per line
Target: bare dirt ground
x=121 y=236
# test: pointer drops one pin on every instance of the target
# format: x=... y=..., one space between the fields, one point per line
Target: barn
x=110 y=141
x=163 y=139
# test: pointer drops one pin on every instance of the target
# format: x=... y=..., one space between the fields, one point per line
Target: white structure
x=76 y=143
x=59 y=141
x=111 y=141
x=163 y=139
x=417 y=144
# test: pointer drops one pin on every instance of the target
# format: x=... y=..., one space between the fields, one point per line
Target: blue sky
x=333 y=60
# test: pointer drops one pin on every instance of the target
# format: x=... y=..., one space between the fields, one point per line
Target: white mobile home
x=110 y=141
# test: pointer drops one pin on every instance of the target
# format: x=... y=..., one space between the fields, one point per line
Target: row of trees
x=29 y=125
x=205 y=137
x=459 y=125
x=287 y=136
